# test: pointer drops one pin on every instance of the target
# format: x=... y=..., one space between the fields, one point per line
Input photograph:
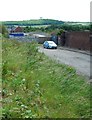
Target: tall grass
x=0 y=74
x=36 y=87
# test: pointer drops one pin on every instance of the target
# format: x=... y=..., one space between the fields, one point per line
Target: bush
x=4 y=31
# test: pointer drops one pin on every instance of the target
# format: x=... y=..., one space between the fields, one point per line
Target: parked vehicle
x=49 y=44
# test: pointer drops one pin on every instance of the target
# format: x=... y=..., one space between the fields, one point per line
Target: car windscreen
x=51 y=43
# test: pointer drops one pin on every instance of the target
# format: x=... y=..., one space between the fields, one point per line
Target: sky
x=65 y=10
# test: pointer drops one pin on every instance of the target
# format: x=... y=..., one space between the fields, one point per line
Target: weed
x=36 y=87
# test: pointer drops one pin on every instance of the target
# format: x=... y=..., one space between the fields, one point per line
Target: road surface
x=81 y=62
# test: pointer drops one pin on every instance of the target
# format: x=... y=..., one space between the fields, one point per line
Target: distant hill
x=34 y=22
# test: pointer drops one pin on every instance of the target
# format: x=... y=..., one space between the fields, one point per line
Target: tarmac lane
x=81 y=62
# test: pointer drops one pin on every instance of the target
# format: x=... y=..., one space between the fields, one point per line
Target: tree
x=4 y=30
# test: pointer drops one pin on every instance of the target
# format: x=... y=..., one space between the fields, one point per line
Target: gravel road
x=81 y=62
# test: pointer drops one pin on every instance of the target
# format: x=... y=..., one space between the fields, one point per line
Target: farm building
x=41 y=38
x=18 y=29
x=16 y=32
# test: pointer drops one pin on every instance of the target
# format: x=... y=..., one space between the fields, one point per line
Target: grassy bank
x=36 y=87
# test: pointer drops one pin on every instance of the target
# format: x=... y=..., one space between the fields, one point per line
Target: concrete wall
x=78 y=40
x=42 y=39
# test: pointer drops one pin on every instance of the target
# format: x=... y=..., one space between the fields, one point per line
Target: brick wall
x=77 y=40
x=91 y=42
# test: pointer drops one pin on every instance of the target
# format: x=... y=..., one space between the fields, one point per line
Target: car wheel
x=47 y=47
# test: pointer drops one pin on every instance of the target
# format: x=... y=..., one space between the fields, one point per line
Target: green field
x=39 y=26
x=34 y=86
x=33 y=22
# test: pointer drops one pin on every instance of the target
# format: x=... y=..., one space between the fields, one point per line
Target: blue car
x=49 y=44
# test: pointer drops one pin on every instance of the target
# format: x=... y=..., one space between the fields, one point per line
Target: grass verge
x=34 y=86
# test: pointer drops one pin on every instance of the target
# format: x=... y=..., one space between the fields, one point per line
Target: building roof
x=39 y=35
x=18 y=29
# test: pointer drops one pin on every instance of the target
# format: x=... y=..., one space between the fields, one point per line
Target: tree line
x=33 y=22
x=58 y=29
x=63 y=27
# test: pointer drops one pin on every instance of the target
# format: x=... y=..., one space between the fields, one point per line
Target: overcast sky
x=65 y=10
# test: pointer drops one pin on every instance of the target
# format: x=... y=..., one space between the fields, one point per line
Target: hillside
x=34 y=22
x=34 y=86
